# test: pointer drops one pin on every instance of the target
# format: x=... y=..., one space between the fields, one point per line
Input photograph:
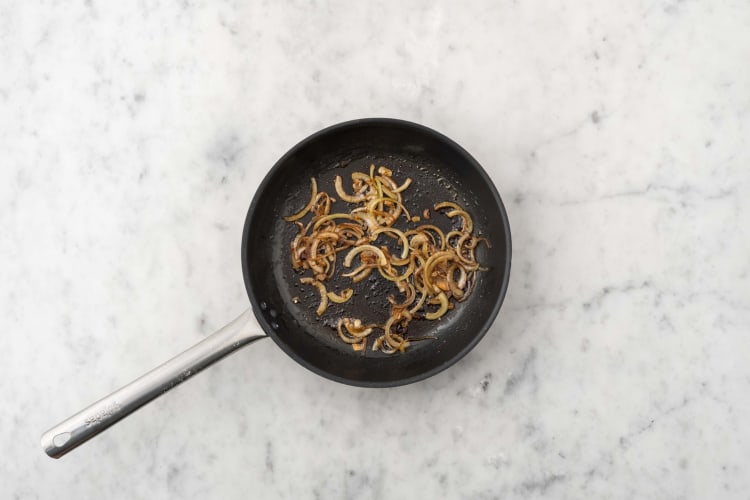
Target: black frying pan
x=441 y=170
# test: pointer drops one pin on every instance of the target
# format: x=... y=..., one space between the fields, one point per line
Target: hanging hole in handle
x=61 y=439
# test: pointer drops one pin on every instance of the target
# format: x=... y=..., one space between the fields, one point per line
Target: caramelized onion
x=443 y=307
x=340 y=190
x=428 y=267
x=309 y=205
x=321 y=290
x=346 y=294
x=382 y=260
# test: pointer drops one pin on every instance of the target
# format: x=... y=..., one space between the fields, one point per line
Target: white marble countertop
x=134 y=134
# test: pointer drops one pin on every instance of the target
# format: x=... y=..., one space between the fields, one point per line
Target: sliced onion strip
x=321 y=290
x=443 y=307
x=346 y=294
x=303 y=212
x=382 y=261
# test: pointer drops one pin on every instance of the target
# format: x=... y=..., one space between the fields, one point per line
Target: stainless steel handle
x=89 y=422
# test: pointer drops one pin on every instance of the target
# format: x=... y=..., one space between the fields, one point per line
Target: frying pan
x=285 y=310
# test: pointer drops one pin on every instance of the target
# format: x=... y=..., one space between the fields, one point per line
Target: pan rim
x=389 y=122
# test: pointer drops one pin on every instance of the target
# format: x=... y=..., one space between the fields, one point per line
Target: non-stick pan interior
x=440 y=170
